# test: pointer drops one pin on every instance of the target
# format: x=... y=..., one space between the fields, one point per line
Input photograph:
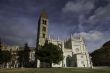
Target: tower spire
x=43 y=14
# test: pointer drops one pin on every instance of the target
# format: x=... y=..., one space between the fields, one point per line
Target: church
x=74 y=49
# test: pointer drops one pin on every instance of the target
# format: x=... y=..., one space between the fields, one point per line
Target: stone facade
x=74 y=49
x=76 y=55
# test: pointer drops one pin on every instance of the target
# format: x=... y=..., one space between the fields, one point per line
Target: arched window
x=68 y=61
x=44 y=22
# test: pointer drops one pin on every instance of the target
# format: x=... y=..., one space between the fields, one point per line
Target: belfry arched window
x=44 y=22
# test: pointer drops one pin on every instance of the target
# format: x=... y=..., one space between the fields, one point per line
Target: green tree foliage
x=50 y=53
x=0 y=52
x=101 y=57
x=1 y=57
x=24 y=56
x=5 y=56
x=21 y=58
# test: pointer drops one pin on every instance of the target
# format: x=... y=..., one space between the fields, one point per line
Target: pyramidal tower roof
x=43 y=14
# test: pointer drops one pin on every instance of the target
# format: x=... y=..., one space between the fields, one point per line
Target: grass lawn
x=54 y=70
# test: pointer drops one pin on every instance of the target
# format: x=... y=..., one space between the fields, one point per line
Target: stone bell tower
x=42 y=33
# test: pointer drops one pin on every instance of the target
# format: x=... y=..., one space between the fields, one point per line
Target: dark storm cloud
x=18 y=19
x=94 y=8
x=92 y=18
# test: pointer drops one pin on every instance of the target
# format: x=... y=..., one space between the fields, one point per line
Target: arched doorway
x=68 y=61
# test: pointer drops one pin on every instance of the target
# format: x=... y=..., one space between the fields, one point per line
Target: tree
x=24 y=56
x=50 y=53
x=0 y=56
x=0 y=51
x=21 y=58
x=5 y=56
x=101 y=57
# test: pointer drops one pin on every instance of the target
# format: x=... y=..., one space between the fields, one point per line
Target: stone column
x=38 y=63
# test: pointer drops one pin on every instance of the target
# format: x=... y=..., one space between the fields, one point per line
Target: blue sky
x=90 y=18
